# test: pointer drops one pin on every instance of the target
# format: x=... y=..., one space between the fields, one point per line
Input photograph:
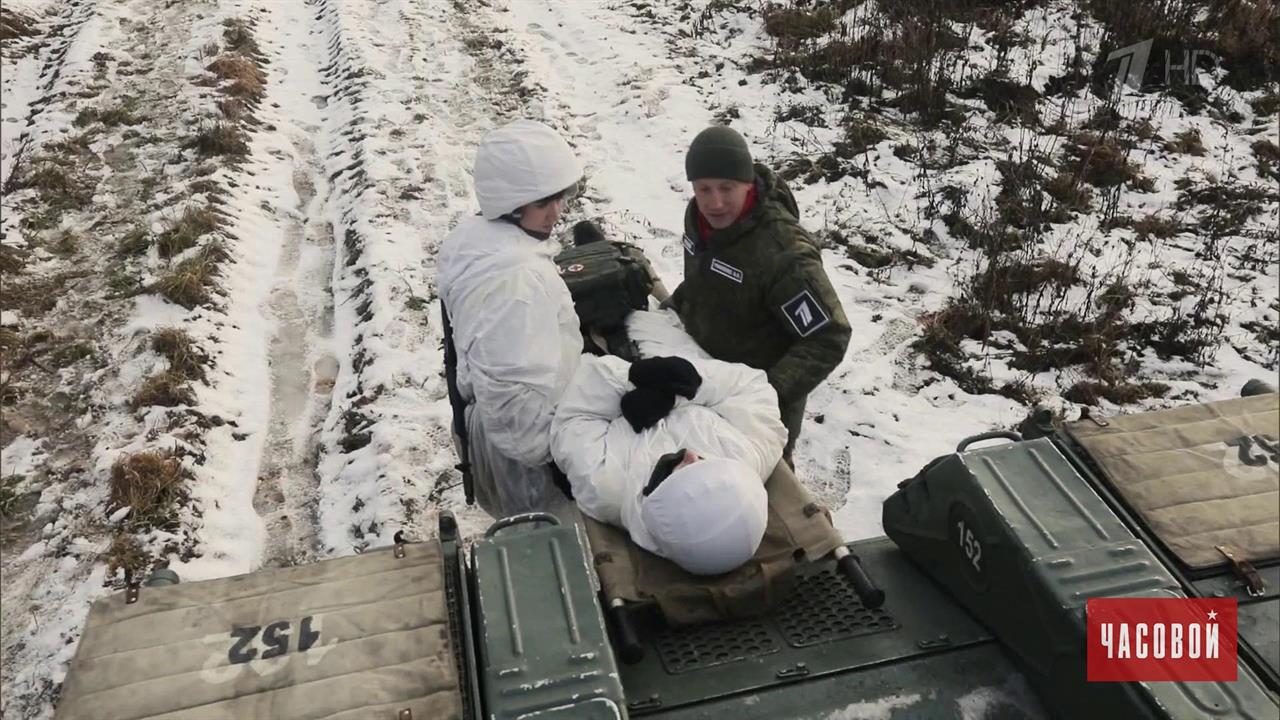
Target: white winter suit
x=514 y=325
x=732 y=417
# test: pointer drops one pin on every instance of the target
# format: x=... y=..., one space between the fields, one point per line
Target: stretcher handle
x=520 y=519
x=630 y=651
x=1006 y=434
x=871 y=596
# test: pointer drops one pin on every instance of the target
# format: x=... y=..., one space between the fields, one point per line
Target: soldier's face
x=720 y=200
x=542 y=216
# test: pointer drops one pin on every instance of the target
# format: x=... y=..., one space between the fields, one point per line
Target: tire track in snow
x=301 y=375
x=344 y=432
x=408 y=111
x=54 y=61
x=299 y=304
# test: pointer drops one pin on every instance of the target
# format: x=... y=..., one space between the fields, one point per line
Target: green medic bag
x=607 y=280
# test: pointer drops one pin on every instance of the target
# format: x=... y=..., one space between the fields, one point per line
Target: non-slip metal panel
x=925 y=622
x=823 y=608
x=706 y=646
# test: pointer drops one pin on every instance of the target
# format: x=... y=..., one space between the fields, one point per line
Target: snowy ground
x=321 y=429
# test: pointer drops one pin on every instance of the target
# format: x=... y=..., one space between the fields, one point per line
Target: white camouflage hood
x=519 y=163
x=708 y=517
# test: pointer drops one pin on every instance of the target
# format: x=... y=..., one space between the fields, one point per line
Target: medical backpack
x=608 y=280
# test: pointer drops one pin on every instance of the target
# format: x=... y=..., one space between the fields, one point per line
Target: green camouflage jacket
x=756 y=293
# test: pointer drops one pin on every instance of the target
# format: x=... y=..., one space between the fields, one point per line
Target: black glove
x=644 y=407
x=672 y=374
x=586 y=232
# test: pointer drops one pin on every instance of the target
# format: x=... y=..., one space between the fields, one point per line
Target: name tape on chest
x=727 y=270
x=805 y=313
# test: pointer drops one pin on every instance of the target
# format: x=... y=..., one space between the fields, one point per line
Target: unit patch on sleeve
x=689 y=247
x=727 y=270
x=805 y=313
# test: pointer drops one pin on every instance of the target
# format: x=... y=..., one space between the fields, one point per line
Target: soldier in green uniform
x=754 y=289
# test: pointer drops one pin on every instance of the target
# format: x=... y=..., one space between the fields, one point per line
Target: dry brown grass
x=1156 y=226
x=1121 y=392
x=831 y=62
x=1227 y=206
x=9 y=341
x=192 y=282
x=1069 y=192
x=1101 y=161
x=1247 y=34
x=185 y=359
x=1143 y=129
x=1266 y=105
x=1186 y=142
x=150 y=484
x=1005 y=287
x=166 y=389
x=1268 y=155
x=122 y=113
x=238 y=36
x=14 y=25
x=794 y=26
x=220 y=139
x=134 y=243
x=860 y=134
x=186 y=231
x=940 y=340
x=12 y=261
x=246 y=81
x=64 y=243
x=126 y=553
x=1241 y=32
x=35 y=295
x=1010 y=101
x=59 y=181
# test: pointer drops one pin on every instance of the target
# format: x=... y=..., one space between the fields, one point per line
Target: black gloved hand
x=586 y=232
x=644 y=407
x=672 y=374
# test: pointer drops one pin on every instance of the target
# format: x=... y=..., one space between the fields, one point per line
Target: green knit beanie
x=719 y=152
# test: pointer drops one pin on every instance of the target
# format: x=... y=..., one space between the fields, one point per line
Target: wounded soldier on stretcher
x=674 y=449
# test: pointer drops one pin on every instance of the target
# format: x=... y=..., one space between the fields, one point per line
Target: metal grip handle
x=630 y=651
x=992 y=435
x=871 y=596
x=520 y=519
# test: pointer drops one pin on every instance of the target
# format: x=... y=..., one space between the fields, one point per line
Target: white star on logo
x=1213 y=614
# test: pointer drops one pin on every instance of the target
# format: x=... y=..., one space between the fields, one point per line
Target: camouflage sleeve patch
x=806 y=313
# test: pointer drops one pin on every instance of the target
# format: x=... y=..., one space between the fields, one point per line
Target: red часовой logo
x=1153 y=639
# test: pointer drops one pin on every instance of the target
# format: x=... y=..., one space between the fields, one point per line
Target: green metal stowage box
x=1022 y=540
x=541 y=634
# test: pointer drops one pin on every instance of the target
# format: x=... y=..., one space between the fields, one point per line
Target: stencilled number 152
x=970 y=545
x=274 y=636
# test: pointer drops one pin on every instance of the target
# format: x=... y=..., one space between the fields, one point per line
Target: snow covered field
x=314 y=419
